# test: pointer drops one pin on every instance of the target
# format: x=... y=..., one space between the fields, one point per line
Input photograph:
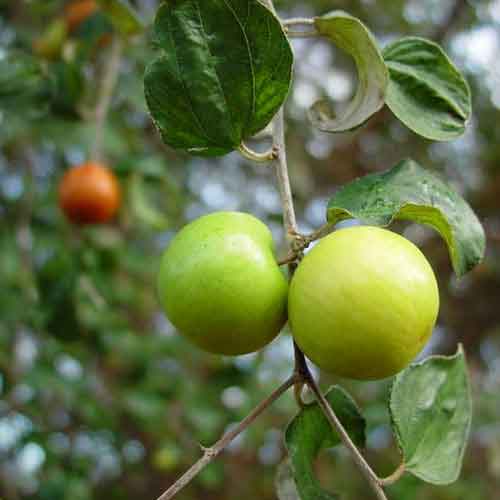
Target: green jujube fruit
x=220 y=284
x=363 y=303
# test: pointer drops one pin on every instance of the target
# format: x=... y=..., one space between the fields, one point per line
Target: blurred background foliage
x=99 y=398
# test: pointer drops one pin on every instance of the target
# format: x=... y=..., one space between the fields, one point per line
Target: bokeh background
x=99 y=397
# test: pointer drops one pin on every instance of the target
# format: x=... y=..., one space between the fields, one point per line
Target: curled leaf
x=352 y=36
x=409 y=192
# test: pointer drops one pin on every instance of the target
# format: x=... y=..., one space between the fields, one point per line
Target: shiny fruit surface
x=221 y=286
x=363 y=303
x=89 y=194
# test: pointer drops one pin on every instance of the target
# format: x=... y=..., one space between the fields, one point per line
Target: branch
x=301 y=370
x=105 y=97
x=215 y=450
x=364 y=467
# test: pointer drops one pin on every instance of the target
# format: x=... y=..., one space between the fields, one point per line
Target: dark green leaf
x=431 y=412
x=426 y=91
x=123 y=17
x=310 y=432
x=224 y=72
x=67 y=88
x=409 y=192
x=352 y=36
x=57 y=280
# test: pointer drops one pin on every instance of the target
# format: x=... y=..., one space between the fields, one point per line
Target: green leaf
x=426 y=91
x=57 y=280
x=142 y=207
x=409 y=192
x=310 y=432
x=431 y=412
x=122 y=16
x=224 y=71
x=352 y=36
x=67 y=88
x=24 y=87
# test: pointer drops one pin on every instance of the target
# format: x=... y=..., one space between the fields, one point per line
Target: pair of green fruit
x=361 y=304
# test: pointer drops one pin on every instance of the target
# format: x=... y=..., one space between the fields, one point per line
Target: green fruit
x=363 y=303
x=221 y=286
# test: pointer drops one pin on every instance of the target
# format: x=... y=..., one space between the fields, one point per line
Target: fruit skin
x=363 y=303
x=89 y=194
x=78 y=11
x=221 y=286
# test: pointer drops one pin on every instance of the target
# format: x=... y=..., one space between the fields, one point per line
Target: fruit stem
x=209 y=454
x=107 y=87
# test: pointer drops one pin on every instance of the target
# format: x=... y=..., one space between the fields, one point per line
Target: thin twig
x=249 y=154
x=362 y=464
x=108 y=84
x=212 y=452
x=301 y=370
x=289 y=259
x=394 y=477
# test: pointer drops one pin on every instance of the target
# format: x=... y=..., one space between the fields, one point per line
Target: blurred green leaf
x=67 y=89
x=352 y=36
x=24 y=86
x=123 y=17
x=310 y=432
x=224 y=71
x=426 y=91
x=142 y=208
x=431 y=412
x=409 y=192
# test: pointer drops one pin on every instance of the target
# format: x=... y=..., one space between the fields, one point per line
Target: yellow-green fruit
x=363 y=303
x=221 y=286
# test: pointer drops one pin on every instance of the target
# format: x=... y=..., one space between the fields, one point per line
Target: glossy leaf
x=351 y=35
x=310 y=432
x=431 y=412
x=123 y=17
x=224 y=71
x=409 y=192
x=426 y=91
